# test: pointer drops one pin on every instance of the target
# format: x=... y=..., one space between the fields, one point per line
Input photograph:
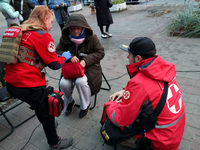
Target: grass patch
x=186 y=22
x=117 y=2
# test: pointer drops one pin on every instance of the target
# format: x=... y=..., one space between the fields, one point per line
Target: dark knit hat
x=142 y=46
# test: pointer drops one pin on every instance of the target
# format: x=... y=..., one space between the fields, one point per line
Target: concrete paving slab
x=136 y=21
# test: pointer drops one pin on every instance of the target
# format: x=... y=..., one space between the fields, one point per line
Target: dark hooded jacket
x=103 y=14
x=91 y=47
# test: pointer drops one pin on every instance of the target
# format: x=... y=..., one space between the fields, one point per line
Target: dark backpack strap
x=147 y=123
x=160 y=105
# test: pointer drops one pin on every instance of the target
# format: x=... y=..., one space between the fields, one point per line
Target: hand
x=58 y=55
x=82 y=63
x=118 y=101
x=21 y=18
x=67 y=55
x=63 y=4
x=74 y=59
x=117 y=96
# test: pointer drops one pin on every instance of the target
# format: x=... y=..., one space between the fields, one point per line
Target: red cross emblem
x=51 y=47
x=174 y=99
x=126 y=95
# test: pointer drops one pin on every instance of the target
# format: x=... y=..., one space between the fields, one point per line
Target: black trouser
x=33 y=97
x=101 y=28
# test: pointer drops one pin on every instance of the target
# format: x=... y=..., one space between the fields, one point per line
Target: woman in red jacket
x=25 y=79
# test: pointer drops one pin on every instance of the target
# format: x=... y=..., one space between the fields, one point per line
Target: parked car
x=131 y=1
x=88 y=2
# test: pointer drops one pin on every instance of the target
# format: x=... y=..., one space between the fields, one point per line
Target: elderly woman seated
x=85 y=48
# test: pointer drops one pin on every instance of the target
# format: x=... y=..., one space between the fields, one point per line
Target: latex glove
x=67 y=55
x=58 y=55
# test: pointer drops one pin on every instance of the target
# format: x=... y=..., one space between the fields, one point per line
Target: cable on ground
x=30 y=136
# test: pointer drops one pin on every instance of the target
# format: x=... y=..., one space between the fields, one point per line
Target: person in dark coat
x=104 y=17
x=38 y=2
x=84 y=46
x=24 y=7
x=61 y=11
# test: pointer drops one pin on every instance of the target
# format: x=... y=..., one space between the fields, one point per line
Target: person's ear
x=138 y=58
x=46 y=18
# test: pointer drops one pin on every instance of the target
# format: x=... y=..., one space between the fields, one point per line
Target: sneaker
x=62 y=143
x=108 y=34
x=84 y=113
x=70 y=108
x=104 y=36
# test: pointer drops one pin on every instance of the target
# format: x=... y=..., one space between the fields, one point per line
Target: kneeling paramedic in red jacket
x=148 y=72
x=26 y=80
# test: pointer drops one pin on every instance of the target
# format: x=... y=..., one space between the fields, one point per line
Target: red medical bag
x=56 y=103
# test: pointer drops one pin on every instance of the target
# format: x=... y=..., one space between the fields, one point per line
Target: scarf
x=80 y=39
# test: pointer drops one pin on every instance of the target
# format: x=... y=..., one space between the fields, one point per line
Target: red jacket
x=142 y=93
x=25 y=75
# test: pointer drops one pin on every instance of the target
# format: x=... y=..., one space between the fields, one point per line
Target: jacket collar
x=133 y=69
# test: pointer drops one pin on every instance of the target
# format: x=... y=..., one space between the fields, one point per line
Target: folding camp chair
x=3 y=98
x=95 y=96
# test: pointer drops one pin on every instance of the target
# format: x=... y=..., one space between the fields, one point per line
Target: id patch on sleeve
x=51 y=47
x=126 y=95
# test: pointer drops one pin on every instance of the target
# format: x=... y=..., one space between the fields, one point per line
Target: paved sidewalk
x=138 y=20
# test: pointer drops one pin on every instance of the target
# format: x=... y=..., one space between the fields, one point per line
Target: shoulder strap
x=160 y=104
x=25 y=27
x=147 y=122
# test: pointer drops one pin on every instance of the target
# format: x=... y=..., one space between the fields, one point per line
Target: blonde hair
x=37 y=16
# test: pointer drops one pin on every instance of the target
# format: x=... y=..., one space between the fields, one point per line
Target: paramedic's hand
x=74 y=59
x=117 y=96
x=82 y=63
x=67 y=55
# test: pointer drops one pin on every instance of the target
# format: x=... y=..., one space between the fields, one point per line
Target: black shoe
x=84 y=113
x=70 y=108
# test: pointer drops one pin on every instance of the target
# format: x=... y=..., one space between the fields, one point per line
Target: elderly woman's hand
x=82 y=63
x=74 y=59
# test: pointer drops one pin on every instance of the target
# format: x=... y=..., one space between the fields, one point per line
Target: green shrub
x=186 y=21
x=73 y=4
x=117 y=2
